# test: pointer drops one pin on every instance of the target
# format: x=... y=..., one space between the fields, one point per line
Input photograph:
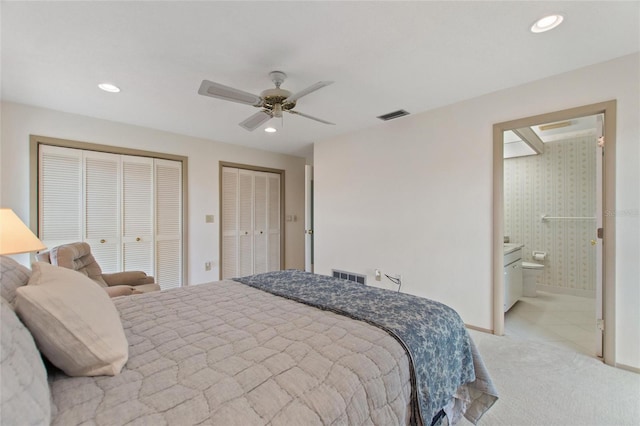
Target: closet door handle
x=138 y=239
x=103 y=241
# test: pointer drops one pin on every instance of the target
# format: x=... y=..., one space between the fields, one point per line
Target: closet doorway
x=129 y=205
x=251 y=220
x=603 y=240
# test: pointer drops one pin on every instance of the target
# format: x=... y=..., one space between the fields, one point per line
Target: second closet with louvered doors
x=251 y=222
x=127 y=208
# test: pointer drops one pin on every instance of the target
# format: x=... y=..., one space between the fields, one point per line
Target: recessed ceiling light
x=547 y=23
x=108 y=87
x=270 y=130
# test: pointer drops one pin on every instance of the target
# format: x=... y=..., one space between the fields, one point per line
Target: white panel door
x=168 y=222
x=102 y=208
x=60 y=197
x=599 y=241
x=137 y=214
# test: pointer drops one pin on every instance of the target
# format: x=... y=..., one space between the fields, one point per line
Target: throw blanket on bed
x=432 y=333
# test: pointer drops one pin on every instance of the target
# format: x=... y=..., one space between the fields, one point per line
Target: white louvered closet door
x=245 y=222
x=251 y=218
x=102 y=208
x=60 y=195
x=229 y=222
x=260 y=223
x=137 y=214
x=274 y=217
x=168 y=208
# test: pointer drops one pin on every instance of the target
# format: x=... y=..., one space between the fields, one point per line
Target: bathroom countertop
x=511 y=247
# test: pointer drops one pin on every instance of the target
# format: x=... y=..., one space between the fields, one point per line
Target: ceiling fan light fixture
x=108 y=87
x=547 y=23
x=277 y=110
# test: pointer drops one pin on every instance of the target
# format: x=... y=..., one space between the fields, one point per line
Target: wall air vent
x=351 y=276
x=392 y=115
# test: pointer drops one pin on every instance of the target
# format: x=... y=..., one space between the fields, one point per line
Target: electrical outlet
x=207 y=266
x=378 y=275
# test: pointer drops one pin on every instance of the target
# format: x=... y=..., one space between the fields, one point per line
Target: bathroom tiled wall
x=561 y=182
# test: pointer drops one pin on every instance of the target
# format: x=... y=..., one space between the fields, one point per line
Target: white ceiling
x=383 y=56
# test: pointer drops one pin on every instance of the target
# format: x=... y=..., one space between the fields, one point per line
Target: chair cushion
x=127 y=278
x=73 y=321
x=12 y=276
x=77 y=256
x=146 y=288
x=25 y=395
x=121 y=290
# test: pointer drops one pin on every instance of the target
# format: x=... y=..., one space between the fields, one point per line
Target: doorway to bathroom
x=552 y=183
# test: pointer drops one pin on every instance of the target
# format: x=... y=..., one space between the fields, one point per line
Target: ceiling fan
x=271 y=101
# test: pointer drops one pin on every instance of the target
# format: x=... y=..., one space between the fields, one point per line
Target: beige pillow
x=73 y=321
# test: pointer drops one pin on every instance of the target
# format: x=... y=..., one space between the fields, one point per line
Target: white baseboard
x=483 y=330
x=563 y=290
x=628 y=368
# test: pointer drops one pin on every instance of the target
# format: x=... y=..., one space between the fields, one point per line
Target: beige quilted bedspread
x=228 y=354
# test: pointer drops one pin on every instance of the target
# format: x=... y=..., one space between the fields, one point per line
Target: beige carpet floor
x=542 y=384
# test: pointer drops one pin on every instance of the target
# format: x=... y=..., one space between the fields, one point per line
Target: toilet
x=530 y=273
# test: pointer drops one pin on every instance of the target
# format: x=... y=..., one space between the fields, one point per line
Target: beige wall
x=414 y=196
x=20 y=121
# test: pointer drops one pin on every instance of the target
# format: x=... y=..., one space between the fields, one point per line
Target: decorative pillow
x=12 y=276
x=73 y=321
x=24 y=396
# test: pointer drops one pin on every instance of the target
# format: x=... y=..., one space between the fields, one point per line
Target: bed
x=282 y=348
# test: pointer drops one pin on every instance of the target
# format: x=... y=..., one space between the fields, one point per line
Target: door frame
x=607 y=108
x=308 y=218
x=222 y=165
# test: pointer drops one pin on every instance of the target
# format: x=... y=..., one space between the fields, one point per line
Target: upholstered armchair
x=77 y=256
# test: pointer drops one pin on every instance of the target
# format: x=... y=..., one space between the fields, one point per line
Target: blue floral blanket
x=440 y=351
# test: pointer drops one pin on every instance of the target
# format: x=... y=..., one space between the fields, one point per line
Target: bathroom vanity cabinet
x=513 y=283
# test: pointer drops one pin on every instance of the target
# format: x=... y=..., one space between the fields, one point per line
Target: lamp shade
x=15 y=236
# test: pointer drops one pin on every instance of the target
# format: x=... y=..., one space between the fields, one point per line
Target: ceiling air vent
x=392 y=115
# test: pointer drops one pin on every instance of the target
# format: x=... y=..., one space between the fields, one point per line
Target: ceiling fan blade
x=308 y=116
x=217 y=90
x=304 y=92
x=256 y=120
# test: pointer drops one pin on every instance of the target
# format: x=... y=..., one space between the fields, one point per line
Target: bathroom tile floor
x=558 y=319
